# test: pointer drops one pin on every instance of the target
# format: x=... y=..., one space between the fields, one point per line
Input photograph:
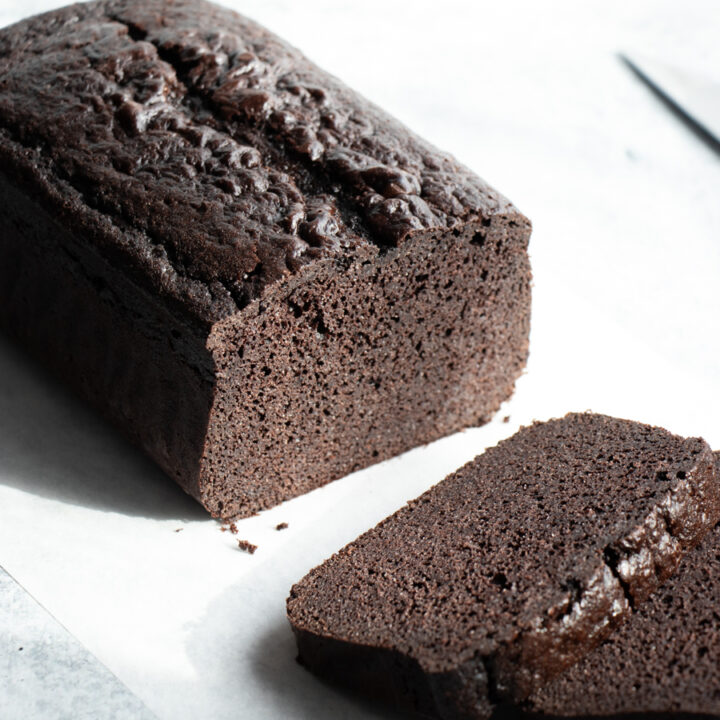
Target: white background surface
x=625 y=203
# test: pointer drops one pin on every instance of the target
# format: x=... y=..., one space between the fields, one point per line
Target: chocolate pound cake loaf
x=261 y=277
x=663 y=663
x=510 y=570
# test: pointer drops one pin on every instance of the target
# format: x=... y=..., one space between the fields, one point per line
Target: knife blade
x=695 y=98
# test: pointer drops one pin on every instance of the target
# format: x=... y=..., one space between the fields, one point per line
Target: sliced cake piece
x=664 y=661
x=511 y=569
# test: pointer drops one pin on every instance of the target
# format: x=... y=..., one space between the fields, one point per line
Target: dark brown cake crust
x=663 y=663
x=509 y=570
x=260 y=276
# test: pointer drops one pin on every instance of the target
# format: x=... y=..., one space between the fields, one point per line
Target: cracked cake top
x=214 y=155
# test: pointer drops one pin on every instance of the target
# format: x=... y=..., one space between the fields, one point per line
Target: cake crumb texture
x=511 y=569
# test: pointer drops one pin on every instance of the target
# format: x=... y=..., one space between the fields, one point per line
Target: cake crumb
x=233 y=528
x=248 y=547
x=506 y=419
x=179 y=530
x=281 y=526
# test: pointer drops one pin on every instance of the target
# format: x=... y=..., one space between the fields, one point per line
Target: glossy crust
x=663 y=663
x=219 y=159
x=262 y=278
x=511 y=569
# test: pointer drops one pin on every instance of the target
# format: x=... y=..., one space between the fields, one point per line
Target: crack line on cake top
x=611 y=558
x=494 y=693
x=312 y=221
x=396 y=181
x=243 y=129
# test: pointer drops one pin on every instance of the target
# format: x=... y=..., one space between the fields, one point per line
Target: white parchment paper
x=625 y=203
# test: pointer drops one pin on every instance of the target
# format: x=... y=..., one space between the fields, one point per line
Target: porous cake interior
x=352 y=364
x=512 y=539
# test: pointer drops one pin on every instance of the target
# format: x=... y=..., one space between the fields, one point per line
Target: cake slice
x=511 y=569
x=262 y=278
x=663 y=662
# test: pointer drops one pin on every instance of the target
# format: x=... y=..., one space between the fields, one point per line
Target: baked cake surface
x=509 y=570
x=263 y=278
x=664 y=662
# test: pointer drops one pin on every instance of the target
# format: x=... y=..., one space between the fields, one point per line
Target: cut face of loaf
x=355 y=366
x=262 y=278
x=511 y=569
x=664 y=662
